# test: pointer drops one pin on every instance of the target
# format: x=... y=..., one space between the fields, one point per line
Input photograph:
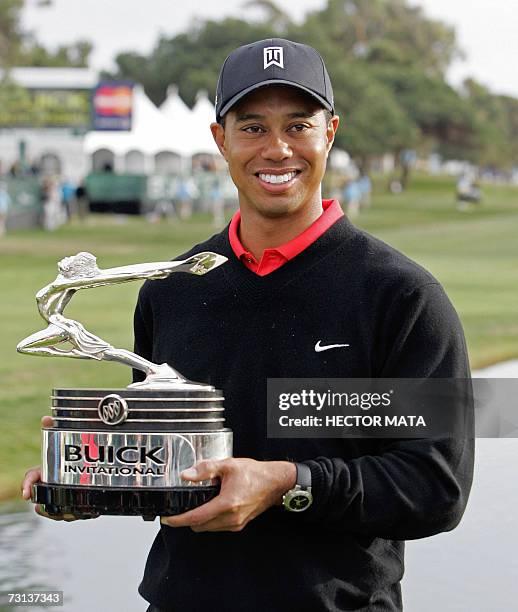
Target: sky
x=486 y=29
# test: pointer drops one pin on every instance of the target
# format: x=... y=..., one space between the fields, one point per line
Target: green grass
x=474 y=255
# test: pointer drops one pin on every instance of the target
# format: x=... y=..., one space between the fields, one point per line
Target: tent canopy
x=173 y=127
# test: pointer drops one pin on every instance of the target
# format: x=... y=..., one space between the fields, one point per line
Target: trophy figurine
x=121 y=451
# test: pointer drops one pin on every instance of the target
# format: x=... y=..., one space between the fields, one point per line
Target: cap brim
x=246 y=91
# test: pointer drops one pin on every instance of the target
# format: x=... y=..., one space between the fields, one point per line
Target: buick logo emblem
x=113 y=410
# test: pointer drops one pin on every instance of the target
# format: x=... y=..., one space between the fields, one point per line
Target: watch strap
x=303 y=475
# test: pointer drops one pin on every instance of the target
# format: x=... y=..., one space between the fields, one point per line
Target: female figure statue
x=81 y=272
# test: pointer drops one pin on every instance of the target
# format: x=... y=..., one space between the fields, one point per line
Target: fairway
x=474 y=255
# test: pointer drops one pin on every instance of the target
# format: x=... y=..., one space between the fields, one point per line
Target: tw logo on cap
x=273 y=56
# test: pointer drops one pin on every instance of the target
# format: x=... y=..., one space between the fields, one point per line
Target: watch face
x=298 y=501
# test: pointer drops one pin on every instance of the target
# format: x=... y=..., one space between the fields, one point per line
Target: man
x=304 y=294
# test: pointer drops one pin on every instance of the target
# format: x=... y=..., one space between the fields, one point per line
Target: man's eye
x=253 y=129
x=299 y=127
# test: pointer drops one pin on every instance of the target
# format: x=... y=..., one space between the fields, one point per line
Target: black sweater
x=235 y=329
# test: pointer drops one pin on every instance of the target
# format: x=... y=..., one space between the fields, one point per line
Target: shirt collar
x=332 y=211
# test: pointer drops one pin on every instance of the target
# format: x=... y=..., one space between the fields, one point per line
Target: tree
x=446 y=122
x=492 y=143
x=71 y=56
x=11 y=35
x=18 y=107
x=381 y=31
x=387 y=61
x=510 y=107
x=191 y=60
x=373 y=122
x=273 y=16
x=20 y=48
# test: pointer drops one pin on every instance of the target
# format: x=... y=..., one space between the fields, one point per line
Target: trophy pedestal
x=88 y=502
x=121 y=451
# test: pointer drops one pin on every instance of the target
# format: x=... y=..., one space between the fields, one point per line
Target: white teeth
x=277 y=178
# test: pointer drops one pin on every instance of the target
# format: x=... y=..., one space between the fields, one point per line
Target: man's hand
x=33 y=475
x=248 y=488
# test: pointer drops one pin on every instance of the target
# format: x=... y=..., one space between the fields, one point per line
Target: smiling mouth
x=277 y=179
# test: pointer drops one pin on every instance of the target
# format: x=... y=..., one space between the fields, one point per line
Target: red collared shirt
x=272 y=259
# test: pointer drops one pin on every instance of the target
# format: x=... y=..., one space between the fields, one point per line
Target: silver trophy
x=121 y=451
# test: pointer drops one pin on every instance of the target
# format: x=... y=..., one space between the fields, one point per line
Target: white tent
x=180 y=120
x=203 y=114
x=150 y=132
x=172 y=129
x=174 y=109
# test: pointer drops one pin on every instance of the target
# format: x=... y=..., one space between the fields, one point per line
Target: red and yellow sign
x=112 y=106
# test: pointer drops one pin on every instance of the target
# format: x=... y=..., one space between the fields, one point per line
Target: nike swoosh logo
x=319 y=348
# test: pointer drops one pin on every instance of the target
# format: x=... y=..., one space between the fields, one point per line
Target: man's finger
x=197 y=516
x=204 y=470
x=31 y=476
x=26 y=491
x=47 y=421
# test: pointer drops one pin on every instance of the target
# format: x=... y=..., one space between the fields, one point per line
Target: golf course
x=473 y=253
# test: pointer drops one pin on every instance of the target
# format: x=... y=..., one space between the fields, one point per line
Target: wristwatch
x=299 y=498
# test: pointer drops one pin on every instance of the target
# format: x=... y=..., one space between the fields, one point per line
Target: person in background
x=468 y=191
x=352 y=198
x=185 y=194
x=5 y=202
x=81 y=201
x=365 y=186
x=68 y=190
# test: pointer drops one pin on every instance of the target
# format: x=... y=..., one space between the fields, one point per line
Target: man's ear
x=332 y=126
x=218 y=133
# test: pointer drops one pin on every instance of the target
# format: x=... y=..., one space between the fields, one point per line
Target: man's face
x=276 y=142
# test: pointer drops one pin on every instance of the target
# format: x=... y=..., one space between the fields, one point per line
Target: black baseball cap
x=274 y=61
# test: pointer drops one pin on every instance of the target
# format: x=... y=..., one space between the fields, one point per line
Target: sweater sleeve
x=412 y=488
x=142 y=330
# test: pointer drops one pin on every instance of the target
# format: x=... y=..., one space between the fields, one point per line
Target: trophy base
x=88 y=502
